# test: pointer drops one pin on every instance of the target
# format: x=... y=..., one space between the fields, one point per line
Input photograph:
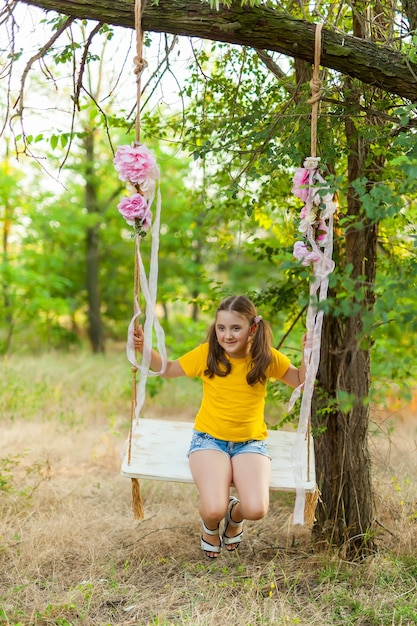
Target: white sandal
x=208 y=547
x=228 y=521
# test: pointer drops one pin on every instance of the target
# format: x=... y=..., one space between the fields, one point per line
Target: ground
x=71 y=552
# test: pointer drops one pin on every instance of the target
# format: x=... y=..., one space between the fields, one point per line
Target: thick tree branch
x=257 y=27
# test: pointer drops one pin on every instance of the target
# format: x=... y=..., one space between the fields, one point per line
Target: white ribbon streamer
x=149 y=289
x=314 y=322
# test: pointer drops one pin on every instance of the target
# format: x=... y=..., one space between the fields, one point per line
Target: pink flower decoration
x=303 y=212
x=302 y=253
x=136 y=164
x=301 y=178
x=322 y=231
x=300 y=250
x=135 y=208
x=311 y=257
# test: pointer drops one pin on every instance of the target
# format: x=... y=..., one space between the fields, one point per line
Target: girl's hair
x=260 y=347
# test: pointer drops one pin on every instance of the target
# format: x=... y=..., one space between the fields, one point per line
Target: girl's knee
x=213 y=511
x=259 y=513
x=255 y=510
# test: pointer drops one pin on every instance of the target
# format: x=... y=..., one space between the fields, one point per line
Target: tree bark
x=343 y=465
x=410 y=9
x=258 y=27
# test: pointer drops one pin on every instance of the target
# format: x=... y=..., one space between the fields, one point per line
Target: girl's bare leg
x=251 y=477
x=212 y=474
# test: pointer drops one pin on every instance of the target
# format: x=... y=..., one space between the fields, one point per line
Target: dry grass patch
x=71 y=553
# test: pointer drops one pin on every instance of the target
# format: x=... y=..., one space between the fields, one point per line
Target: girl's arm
x=173 y=368
x=295 y=376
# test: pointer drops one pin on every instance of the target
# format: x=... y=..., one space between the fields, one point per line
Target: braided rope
x=144 y=282
x=139 y=63
x=316 y=90
x=318 y=289
x=139 y=66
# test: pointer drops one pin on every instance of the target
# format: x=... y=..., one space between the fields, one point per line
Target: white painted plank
x=159 y=452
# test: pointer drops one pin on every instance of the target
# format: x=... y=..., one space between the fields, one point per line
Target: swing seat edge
x=159 y=452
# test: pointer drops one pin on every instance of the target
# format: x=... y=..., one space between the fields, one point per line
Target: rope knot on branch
x=316 y=85
x=140 y=65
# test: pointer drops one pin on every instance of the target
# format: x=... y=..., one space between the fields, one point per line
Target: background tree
x=10 y=201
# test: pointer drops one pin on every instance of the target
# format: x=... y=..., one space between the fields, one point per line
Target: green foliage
x=349 y=604
x=412 y=51
x=10 y=482
x=6 y=473
x=229 y=217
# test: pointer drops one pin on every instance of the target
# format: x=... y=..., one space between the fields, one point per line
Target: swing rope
x=137 y=503
x=311 y=499
x=139 y=66
x=318 y=201
x=148 y=285
x=316 y=90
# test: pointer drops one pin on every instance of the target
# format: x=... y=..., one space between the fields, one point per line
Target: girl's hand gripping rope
x=138 y=339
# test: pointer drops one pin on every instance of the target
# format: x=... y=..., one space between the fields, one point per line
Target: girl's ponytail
x=260 y=352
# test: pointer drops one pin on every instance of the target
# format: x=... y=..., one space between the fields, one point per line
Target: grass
x=71 y=553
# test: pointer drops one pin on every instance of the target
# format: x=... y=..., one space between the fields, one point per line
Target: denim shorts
x=202 y=441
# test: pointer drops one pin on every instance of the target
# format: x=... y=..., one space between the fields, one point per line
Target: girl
x=229 y=446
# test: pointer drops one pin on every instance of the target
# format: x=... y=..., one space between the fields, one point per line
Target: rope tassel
x=311 y=501
x=137 y=504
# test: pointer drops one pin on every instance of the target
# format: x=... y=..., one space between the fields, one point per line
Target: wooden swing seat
x=159 y=452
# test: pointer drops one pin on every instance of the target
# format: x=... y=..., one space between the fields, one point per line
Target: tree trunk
x=343 y=467
x=258 y=27
x=345 y=514
x=95 y=326
x=345 y=511
x=410 y=9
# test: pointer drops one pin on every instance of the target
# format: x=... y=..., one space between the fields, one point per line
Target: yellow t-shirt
x=231 y=409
